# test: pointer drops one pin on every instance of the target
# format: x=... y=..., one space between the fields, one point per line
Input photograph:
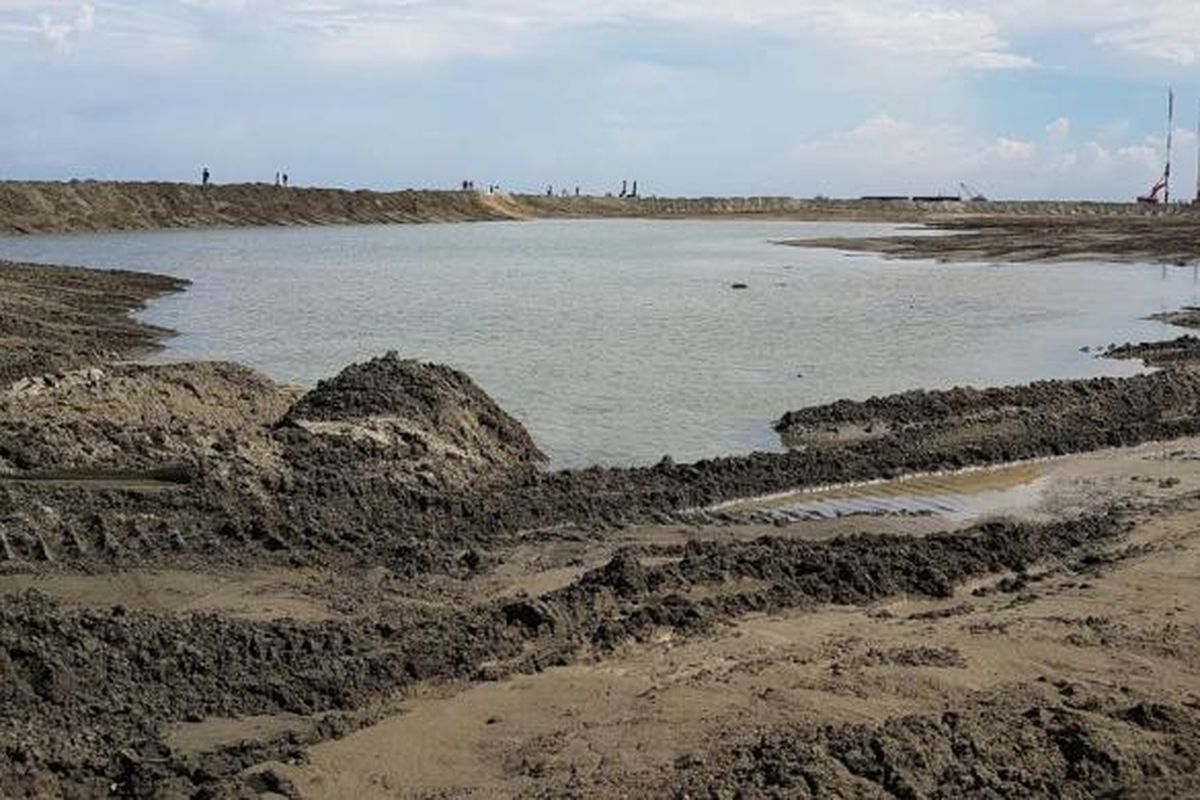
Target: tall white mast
x=1170 y=139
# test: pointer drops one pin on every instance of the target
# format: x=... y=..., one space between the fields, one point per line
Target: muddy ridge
x=1023 y=742
x=75 y=206
x=66 y=671
x=59 y=318
x=1167 y=238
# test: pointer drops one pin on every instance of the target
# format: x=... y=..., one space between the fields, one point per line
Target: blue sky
x=1025 y=98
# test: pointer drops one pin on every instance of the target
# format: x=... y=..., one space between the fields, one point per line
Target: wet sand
x=1167 y=238
x=374 y=589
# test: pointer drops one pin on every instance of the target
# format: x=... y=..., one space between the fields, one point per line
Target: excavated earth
x=218 y=586
x=1168 y=236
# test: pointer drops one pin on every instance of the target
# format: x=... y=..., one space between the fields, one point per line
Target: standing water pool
x=618 y=341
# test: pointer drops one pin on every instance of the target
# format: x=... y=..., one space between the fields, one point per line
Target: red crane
x=1160 y=192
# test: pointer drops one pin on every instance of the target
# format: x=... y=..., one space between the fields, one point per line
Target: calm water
x=619 y=341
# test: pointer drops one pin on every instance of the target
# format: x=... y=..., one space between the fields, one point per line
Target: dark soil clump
x=1019 y=743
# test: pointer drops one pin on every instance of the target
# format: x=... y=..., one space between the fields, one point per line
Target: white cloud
x=60 y=34
x=1099 y=153
x=888 y=155
x=1059 y=130
x=1164 y=30
x=1138 y=154
x=1013 y=149
x=968 y=34
x=430 y=30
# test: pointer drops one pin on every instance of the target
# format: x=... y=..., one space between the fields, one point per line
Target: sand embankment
x=66 y=207
x=45 y=207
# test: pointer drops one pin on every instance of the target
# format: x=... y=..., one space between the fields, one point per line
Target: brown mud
x=214 y=582
x=49 y=207
x=1171 y=237
x=54 y=319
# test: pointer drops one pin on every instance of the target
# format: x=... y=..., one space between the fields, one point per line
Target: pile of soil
x=1017 y=743
x=418 y=413
x=1040 y=419
x=88 y=693
x=153 y=462
x=47 y=207
x=435 y=469
x=1167 y=238
x=59 y=318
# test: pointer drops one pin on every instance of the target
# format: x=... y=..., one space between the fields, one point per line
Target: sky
x=1037 y=99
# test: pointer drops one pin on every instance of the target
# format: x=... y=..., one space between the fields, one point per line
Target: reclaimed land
x=1165 y=236
x=77 y=206
x=218 y=586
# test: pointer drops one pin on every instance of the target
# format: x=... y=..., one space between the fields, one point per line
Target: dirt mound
x=417 y=492
x=93 y=688
x=1186 y=317
x=1023 y=742
x=431 y=408
x=1014 y=233
x=45 y=207
x=49 y=207
x=59 y=318
x=1048 y=416
x=132 y=418
x=713 y=581
x=64 y=671
x=1184 y=350
x=154 y=462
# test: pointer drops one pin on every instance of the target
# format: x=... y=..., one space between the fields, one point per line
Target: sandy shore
x=219 y=586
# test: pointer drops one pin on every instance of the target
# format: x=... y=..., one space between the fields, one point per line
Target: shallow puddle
x=958 y=496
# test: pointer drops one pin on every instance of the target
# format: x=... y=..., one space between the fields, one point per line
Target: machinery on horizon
x=1160 y=192
x=971 y=195
x=1196 y=202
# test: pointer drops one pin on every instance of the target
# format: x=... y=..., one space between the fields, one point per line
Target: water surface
x=619 y=341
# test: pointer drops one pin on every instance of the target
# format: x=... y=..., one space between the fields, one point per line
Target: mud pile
x=48 y=207
x=432 y=418
x=712 y=581
x=144 y=462
x=1043 y=418
x=1057 y=742
x=129 y=419
x=1112 y=233
x=1181 y=351
x=44 y=207
x=87 y=693
x=432 y=469
x=58 y=318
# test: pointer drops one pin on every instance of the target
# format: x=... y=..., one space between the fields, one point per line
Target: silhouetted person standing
x=204 y=176
x=285 y=180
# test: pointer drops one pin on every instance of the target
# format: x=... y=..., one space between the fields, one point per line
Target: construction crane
x=1160 y=192
x=1196 y=202
x=969 y=195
